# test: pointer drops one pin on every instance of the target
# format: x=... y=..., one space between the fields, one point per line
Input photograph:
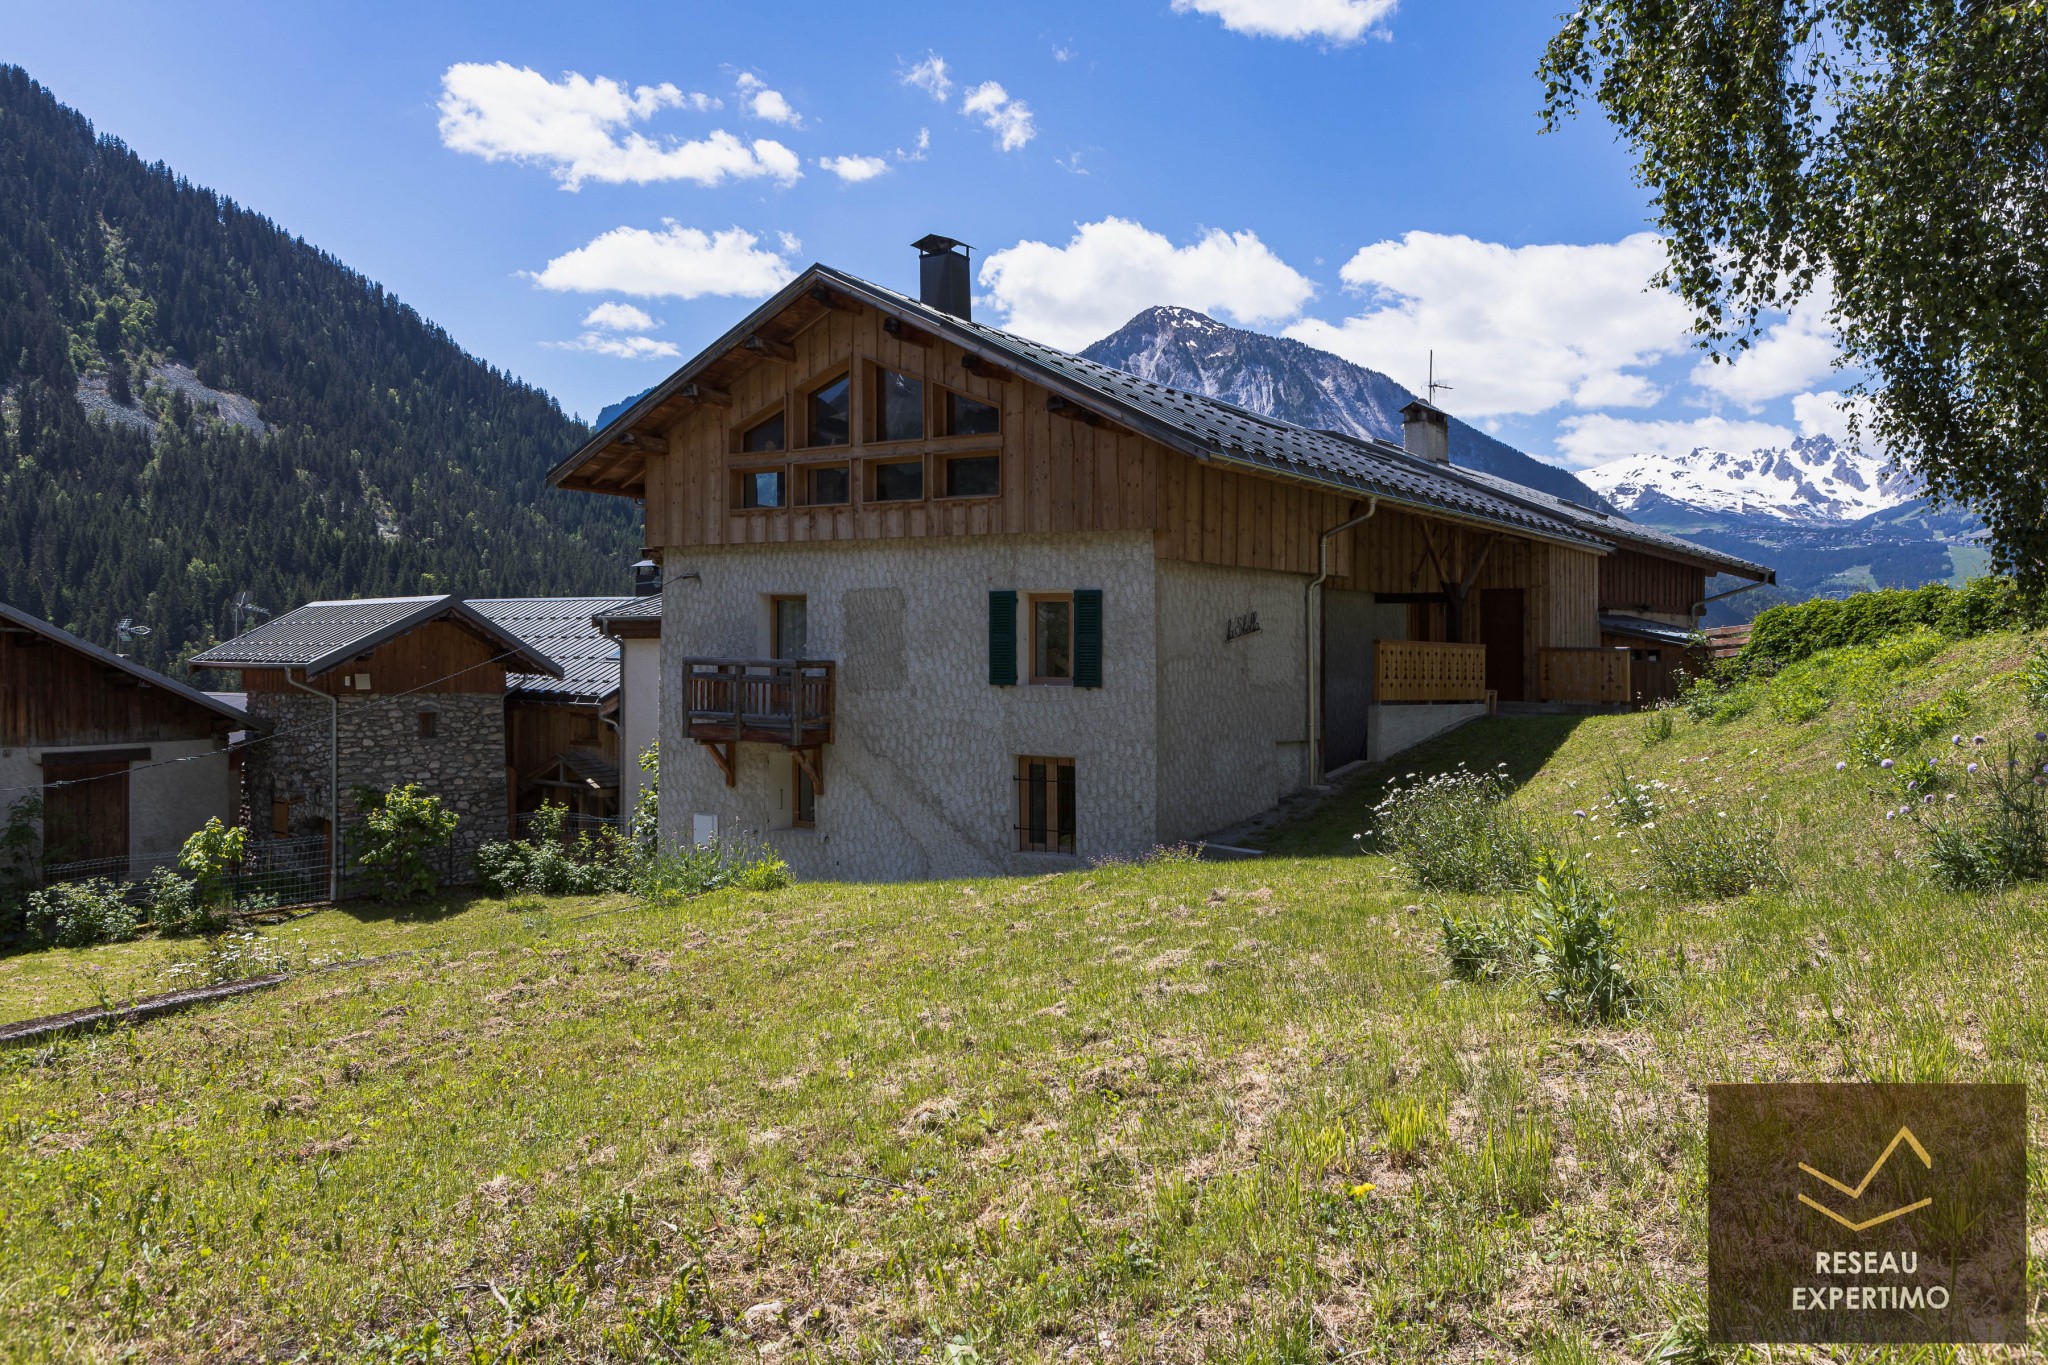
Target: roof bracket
x=769 y=348
x=704 y=393
x=825 y=298
x=1061 y=407
x=645 y=442
x=981 y=369
x=909 y=335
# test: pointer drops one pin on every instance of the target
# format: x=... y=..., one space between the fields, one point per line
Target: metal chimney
x=944 y=277
x=647 y=579
x=1426 y=431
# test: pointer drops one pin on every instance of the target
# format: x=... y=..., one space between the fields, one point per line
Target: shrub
x=681 y=874
x=174 y=907
x=1454 y=831
x=2033 y=680
x=1795 y=631
x=1631 y=802
x=1659 y=724
x=400 y=832
x=1481 y=948
x=766 y=872
x=211 y=855
x=645 y=826
x=547 y=863
x=21 y=844
x=1993 y=830
x=1575 y=946
x=79 y=914
x=1697 y=852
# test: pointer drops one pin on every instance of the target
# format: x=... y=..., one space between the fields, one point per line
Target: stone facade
x=380 y=746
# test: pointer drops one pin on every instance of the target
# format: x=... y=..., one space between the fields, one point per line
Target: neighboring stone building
x=126 y=762
x=939 y=600
x=377 y=692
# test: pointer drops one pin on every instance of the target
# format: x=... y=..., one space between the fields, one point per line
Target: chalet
x=126 y=762
x=377 y=692
x=938 y=599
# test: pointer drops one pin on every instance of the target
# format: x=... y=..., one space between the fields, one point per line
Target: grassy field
x=1169 y=1111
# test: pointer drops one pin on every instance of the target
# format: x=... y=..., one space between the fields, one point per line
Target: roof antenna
x=1433 y=385
x=128 y=633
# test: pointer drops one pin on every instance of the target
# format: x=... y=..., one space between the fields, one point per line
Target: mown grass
x=1177 y=1111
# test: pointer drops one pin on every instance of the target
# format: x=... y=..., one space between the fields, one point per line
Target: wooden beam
x=644 y=443
x=768 y=348
x=722 y=755
x=1472 y=575
x=1060 y=407
x=903 y=332
x=981 y=369
x=704 y=393
x=825 y=298
x=812 y=761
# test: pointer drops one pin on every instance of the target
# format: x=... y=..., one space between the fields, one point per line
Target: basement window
x=828 y=413
x=974 y=476
x=970 y=417
x=899 y=407
x=1045 y=805
x=764 y=436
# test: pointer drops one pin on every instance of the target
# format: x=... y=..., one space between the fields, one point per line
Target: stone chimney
x=944 y=277
x=1426 y=431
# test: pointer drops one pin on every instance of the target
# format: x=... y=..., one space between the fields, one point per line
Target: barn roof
x=1615 y=526
x=21 y=620
x=564 y=628
x=323 y=635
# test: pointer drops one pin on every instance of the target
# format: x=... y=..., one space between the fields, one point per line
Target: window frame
x=742 y=430
x=950 y=458
x=1058 y=830
x=943 y=412
x=1032 y=601
x=870 y=478
x=799 y=782
x=809 y=391
x=427 y=722
x=808 y=471
x=775 y=601
x=877 y=410
x=743 y=477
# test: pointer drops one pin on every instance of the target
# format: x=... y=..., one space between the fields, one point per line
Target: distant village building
x=126 y=762
x=940 y=600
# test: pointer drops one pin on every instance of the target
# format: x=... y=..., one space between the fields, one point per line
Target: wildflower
x=1971 y=769
x=1362 y=1189
x=1957 y=740
x=1889 y=814
x=1840 y=766
x=2041 y=736
x=1910 y=786
x=1578 y=815
x=1928 y=799
x=1885 y=764
x=1979 y=739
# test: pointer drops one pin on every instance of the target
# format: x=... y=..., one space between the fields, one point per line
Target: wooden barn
x=562 y=732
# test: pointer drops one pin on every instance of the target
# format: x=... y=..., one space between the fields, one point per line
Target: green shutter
x=1087 y=637
x=1002 y=639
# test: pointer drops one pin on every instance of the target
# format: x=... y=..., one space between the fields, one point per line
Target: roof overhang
x=517 y=655
x=149 y=676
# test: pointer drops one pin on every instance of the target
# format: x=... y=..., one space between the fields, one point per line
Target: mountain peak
x=1815 y=480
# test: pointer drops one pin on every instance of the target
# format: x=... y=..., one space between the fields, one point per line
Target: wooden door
x=1502 y=629
x=85 y=811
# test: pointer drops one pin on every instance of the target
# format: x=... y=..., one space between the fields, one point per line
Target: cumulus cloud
x=919 y=147
x=581 y=129
x=1337 y=21
x=1009 y=119
x=1828 y=413
x=853 y=169
x=1516 y=329
x=619 y=317
x=620 y=347
x=1108 y=271
x=929 y=75
x=1596 y=438
x=765 y=104
x=677 y=262
x=1787 y=358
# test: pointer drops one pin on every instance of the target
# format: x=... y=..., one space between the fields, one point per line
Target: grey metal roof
x=634 y=609
x=1661 y=631
x=561 y=627
x=14 y=616
x=1615 y=526
x=321 y=635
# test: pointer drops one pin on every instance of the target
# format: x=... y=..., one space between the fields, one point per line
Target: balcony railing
x=1597 y=675
x=1426 y=670
x=760 y=701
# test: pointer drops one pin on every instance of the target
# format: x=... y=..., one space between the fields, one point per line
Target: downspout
x=1313 y=621
x=333 y=786
x=1699 y=608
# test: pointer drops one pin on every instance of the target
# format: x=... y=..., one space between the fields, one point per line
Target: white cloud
x=1789 y=357
x=1339 y=21
x=769 y=105
x=676 y=262
x=853 y=169
x=621 y=347
x=930 y=76
x=1515 y=329
x=619 y=317
x=1009 y=119
x=918 y=148
x=1827 y=413
x=1108 y=271
x=1596 y=438
x=580 y=129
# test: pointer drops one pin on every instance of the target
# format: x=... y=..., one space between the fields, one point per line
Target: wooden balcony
x=761 y=701
x=1598 y=676
x=1427 y=670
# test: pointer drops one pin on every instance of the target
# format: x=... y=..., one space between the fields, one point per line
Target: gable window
x=974 y=476
x=898 y=481
x=826 y=485
x=761 y=488
x=764 y=436
x=1045 y=805
x=828 y=413
x=970 y=417
x=899 y=407
x=1052 y=639
x=789 y=627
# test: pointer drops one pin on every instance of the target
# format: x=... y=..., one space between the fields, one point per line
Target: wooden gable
x=54 y=695
x=436 y=656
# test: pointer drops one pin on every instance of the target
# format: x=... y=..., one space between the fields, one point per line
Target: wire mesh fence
x=572 y=823
x=274 y=871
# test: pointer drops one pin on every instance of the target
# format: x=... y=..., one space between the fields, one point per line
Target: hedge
x=1787 y=634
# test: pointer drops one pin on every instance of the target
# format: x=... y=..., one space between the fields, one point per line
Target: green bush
x=1786 y=634
x=1575 y=945
x=211 y=856
x=79 y=914
x=548 y=863
x=1697 y=852
x=1888 y=726
x=1483 y=947
x=645 y=826
x=401 y=830
x=21 y=844
x=766 y=872
x=1454 y=831
x=175 y=907
x=2034 y=680
x=1659 y=724
x=1992 y=831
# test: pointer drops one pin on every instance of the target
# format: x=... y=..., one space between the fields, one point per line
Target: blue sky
x=585 y=194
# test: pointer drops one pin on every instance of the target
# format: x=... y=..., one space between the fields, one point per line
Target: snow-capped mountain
x=1283 y=378
x=1814 y=481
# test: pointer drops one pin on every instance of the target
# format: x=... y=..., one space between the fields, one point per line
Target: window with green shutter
x=1087 y=637
x=1002 y=639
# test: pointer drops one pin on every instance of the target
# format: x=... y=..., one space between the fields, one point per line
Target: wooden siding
x=537 y=731
x=52 y=695
x=439 y=656
x=1416 y=670
x=1637 y=584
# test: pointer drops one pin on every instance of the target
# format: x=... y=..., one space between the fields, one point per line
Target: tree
x=1886 y=157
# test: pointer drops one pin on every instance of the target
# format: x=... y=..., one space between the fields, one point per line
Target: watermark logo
x=1929 y=1245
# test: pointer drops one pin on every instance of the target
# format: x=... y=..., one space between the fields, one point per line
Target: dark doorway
x=1347 y=675
x=1502 y=630
x=85 y=811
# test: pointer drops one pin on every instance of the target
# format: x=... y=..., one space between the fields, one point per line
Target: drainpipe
x=1312 y=607
x=333 y=786
x=1699 y=608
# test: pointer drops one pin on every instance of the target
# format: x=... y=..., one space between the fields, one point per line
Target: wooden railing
x=1426 y=670
x=1585 y=675
x=760 y=701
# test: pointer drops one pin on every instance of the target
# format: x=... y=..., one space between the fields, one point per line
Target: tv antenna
x=128 y=632
x=1433 y=385
x=242 y=607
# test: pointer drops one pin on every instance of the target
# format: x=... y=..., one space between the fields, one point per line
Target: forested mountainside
x=195 y=403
